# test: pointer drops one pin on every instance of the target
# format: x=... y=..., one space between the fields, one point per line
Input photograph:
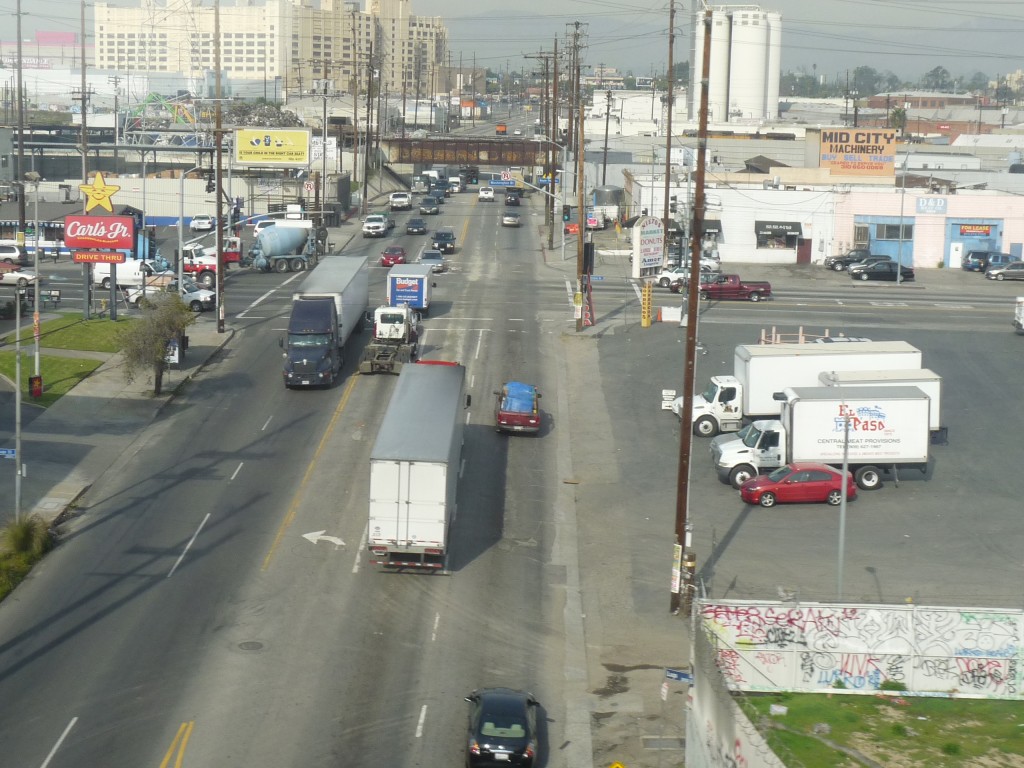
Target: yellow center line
x=178 y=744
x=293 y=508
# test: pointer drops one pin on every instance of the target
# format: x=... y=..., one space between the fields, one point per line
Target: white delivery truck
x=761 y=370
x=1018 y=317
x=888 y=431
x=414 y=468
x=927 y=381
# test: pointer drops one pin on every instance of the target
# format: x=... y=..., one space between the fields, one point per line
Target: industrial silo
x=773 y=66
x=718 y=79
x=747 y=76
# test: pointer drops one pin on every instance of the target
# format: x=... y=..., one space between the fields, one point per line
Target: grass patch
x=60 y=374
x=893 y=730
x=22 y=545
x=70 y=331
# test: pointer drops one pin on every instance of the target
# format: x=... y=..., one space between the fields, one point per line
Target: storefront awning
x=777 y=228
x=711 y=226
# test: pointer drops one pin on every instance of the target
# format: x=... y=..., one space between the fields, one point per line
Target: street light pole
x=181 y=224
x=842 y=507
x=34 y=177
x=607 y=119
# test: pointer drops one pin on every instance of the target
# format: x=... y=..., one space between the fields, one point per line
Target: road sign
x=597 y=278
x=678 y=675
x=309 y=186
x=502 y=183
x=506 y=175
x=8 y=453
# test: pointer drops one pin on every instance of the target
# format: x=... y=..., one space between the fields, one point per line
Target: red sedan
x=799 y=482
x=393 y=254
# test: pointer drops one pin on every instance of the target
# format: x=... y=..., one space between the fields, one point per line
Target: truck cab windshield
x=710 y=393
x=309 y=339
x=750 y=439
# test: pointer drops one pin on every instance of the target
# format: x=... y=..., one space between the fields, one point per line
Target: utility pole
x=684 y=559
x=369 y=112
x=19 y=165
x=582 y=282
x=549 y=201
x=115 y=81
x=218 y=133
x=668 y=125
x=607 y=120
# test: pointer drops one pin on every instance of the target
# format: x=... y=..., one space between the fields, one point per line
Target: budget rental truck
x=882 y=430
x=761 y=370
x=410 y=284
x=344 y=280
x=414 y=468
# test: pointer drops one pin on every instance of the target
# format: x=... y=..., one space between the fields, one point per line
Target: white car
x=400 y=201
x=668 y=276
x=201 y=223
x=375 y=225
x=517 y=132
x=434 y=259
x=195 y=298
x=486 y=193
x=18 y=277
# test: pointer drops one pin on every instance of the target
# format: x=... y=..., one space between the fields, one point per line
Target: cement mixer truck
x=290 y=245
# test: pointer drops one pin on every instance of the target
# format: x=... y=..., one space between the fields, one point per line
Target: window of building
x=892 y=231
x=861 y=236
x=777 y=234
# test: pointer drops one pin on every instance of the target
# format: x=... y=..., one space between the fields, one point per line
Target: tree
x=144 y=342
x=898 y=119
x=978 y=82
x=937 y=79
x=866 y=81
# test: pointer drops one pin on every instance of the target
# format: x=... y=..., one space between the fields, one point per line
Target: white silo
x=718 y=80
x=747 y=75
x=773 y=65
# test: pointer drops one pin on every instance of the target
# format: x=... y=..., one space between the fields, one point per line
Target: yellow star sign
x=98 y=193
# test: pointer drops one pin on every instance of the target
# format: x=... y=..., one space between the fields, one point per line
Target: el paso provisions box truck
x=927 y=381
x=761 y=370
x=414 y=468
x=880 y=429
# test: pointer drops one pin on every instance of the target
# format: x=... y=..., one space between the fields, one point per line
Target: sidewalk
x=74 y=441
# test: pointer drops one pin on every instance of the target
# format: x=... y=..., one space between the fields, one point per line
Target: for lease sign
x=858 y=151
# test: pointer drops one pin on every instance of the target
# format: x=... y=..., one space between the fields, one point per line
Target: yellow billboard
x=858 y=151
x=272 y=146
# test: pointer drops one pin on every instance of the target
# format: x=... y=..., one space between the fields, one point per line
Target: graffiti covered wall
x=805 y=647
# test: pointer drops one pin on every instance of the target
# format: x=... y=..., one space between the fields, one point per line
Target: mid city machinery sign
x=858 y=151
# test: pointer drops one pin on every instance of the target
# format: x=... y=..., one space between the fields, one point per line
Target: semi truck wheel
x=281 y=265
x=740 y=474
x=105 y=283
x=206 y=278
x=298 y=265
x=868 y=478
x=705 y=426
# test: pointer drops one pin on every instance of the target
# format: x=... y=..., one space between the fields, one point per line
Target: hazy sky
x=908 y=38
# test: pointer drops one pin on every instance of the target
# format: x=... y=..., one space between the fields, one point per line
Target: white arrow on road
x=316 y=536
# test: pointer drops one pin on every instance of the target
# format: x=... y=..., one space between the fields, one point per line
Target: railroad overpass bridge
x=469 y=150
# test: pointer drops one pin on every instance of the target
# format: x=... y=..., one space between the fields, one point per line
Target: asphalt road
x=185 y=614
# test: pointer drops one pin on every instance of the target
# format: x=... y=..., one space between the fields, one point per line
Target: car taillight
x=530 y=750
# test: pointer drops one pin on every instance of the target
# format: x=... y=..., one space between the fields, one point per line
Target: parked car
x=415 y=227
x=429 y=206
x=14 y=254
x=799 y=482
x=393 y=254
x=979 y=261
x=486 y=194
x=202 y=222
x=868 y=260
x=840 y=263
x=517 y=132
x=671 y=275
x=444 y=240
x=502 y=728
x=517 y=408
x=880 y=270
x=1012 y=271
x=510 y=219
x=434 y=259
x=260 y=225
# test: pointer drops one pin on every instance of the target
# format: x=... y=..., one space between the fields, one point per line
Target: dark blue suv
x=979 y=261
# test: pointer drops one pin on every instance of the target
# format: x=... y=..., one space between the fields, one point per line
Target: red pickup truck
x=732 y=287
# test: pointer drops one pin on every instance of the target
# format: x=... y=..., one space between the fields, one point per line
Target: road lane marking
x=239 y=469
x=266 y=424
x=293 y=508
x=178 y=744
x=362 y=546
x=60 y=741
x=187 y=546
x=479 y=345
x=419 y=725
x=437 y=622
x=256 y=302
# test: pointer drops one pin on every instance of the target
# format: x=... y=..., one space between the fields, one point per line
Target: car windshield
x=308 y=339
x=779 y=474
x=189 y=287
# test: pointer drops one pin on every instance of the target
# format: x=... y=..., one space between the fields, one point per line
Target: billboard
x=858 y=151
x=113 y=232
x=648 y=246
x=272 y=146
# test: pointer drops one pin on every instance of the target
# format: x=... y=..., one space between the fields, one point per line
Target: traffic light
x=566 y=212
x=672 y=204
x=151 y=237
x=211 y=185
